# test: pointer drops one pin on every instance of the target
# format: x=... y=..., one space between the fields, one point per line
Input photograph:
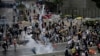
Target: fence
x=85 y=12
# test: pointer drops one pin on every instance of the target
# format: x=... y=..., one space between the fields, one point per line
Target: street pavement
x=23 y=51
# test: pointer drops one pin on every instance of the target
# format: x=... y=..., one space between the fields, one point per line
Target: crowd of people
x=85 y=39
x=11 y=35
x=78 y=38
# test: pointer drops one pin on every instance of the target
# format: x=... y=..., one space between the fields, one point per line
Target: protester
x=4 y=46
x=55 y=32
x=67 y=52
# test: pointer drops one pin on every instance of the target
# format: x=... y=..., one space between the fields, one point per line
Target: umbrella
x=25 y=23
x=67 y=15
x=79 y=18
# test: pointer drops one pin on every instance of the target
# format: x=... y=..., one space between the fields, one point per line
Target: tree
x=49 y=5
x=58 y=3
x=97 y=3
x=95 y=0
x=0 y=1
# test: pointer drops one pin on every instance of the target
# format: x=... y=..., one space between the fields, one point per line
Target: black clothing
x=4 y=46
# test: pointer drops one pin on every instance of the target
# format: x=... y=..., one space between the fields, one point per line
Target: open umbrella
x=79 y=18
x=25 y=23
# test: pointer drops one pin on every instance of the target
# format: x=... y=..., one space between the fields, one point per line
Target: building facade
x=85 y=8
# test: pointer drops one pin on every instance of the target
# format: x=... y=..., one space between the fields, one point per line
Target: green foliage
x=97 y=3
x=95 y=0
x=0 y=1
x=60 y=2
x=49 y=5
